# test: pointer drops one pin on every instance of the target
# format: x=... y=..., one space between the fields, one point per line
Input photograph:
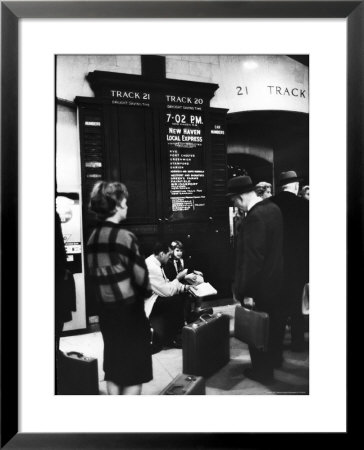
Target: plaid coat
x=116 y=267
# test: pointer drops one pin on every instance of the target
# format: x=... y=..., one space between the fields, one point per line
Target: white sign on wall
x=256 y=82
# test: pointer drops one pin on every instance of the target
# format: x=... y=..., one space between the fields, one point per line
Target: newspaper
x=203 y=290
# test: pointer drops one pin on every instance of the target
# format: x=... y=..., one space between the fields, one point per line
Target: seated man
x=165 y=308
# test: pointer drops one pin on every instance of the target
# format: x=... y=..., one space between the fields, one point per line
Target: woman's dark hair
x=104 y=197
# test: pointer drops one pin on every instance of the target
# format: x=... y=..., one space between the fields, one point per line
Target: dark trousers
x=190 y=304
x=298 y=324
x=58 y=331
x=167 y=318
x=263 y=362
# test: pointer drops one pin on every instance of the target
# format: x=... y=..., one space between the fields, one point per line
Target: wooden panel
x=92 y=148
x=136 y=155
x=219 y=207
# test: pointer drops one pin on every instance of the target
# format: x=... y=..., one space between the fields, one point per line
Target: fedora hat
x=239 y=185
x=288 y=177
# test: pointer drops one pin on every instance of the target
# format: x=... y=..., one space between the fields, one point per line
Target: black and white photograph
x=182 y=224
x=158 y=237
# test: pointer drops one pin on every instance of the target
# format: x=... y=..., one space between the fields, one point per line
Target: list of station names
x=184 y=136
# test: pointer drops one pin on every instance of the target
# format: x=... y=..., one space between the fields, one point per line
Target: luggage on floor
x=76 y=374
x=206 y=344
x=252 y=327
x=185 y=385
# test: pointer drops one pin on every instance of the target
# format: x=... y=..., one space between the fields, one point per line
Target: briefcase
x=206 y=344
x=76 y=374
x=252 y=327
x=185 y=385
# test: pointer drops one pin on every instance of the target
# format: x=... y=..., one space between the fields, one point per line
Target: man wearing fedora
x=259 y=269
x=295 y=212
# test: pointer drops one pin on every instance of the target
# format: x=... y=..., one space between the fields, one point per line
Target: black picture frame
x=11 y=13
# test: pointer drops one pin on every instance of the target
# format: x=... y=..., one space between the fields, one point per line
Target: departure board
x=185 y=146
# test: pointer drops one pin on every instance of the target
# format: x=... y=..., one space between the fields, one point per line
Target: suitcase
x=206 y=344
x=252 y=327
x=76 y=374
x=185 y=385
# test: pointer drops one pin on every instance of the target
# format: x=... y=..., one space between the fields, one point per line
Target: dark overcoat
x=259 y=258
x=295 y=212
x=65 y=293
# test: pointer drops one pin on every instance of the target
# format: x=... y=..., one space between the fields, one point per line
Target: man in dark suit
x=259 y=269
x=295 y=212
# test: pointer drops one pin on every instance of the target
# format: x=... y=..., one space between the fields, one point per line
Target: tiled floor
x=292 y=378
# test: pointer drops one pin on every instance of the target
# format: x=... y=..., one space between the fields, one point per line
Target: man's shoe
x=264 y=379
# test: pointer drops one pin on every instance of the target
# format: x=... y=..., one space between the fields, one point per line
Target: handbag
x=252 y=327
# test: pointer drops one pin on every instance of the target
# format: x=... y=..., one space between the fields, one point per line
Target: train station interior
x=117 y=117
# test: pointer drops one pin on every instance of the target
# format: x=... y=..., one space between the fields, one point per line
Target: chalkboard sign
x=184 y=136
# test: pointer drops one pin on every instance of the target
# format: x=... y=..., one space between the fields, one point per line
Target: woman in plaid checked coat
x=120 y=276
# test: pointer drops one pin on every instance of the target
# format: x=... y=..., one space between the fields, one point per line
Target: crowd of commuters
x=144 y=303
x=295 y=213
x=272 y=263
